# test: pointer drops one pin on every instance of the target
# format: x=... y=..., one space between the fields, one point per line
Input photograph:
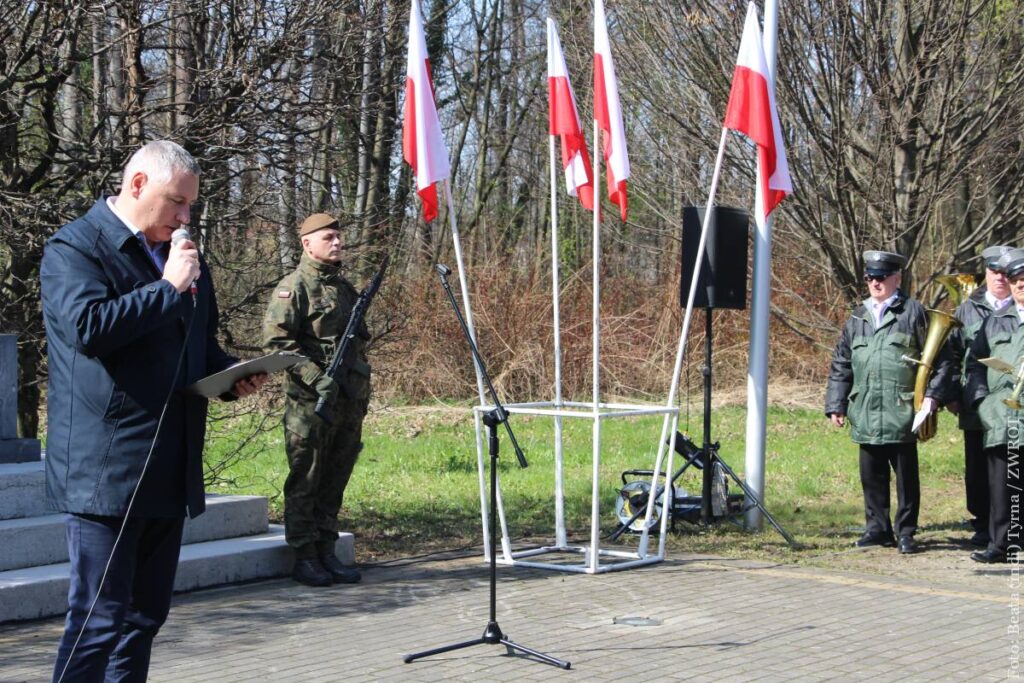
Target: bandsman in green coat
x=991 y=392
x=308 y=313
x=871 y=385
x=972 y=313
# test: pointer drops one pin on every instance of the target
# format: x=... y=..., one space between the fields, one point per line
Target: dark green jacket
x=308 y=312
x=972 y=313
x=1002 y=337
x=869 y=381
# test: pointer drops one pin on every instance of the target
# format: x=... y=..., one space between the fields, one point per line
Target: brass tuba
x=940 y=324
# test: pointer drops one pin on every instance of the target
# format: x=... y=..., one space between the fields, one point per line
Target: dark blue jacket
x=115 y=331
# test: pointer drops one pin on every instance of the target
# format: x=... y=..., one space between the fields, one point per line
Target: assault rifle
x=344 y=342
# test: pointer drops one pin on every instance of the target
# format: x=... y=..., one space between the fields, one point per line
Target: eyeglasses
x=877 y=278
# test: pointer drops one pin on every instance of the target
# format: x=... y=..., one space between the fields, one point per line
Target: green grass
x=416 y=487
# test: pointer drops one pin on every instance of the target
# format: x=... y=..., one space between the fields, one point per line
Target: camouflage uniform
x=308 y=312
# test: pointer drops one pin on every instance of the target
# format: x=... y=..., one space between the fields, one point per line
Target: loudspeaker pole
x=706 y=513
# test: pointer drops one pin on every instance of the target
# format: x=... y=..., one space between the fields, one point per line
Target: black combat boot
x=339 y=572
x=308 y=568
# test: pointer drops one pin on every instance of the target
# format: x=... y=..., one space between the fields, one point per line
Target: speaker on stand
x=722 y=284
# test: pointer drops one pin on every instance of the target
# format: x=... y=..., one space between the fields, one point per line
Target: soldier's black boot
x=308 y=568
x=339 y=572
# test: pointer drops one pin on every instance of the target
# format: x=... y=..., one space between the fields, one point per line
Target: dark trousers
x=133 y=602
x=321 y=458
x=1004 y=484
x=976 y=479
x=875 y=462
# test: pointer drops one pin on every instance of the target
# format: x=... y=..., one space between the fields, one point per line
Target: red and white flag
x=564 y=121
x=752 y=111
x=422 y=143
x=608 y=112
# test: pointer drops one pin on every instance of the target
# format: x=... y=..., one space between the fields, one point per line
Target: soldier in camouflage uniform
x=871 y=384
x=307 y=314
x=990 y=297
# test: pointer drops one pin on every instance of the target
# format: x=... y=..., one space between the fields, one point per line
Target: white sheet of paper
x=919 y=418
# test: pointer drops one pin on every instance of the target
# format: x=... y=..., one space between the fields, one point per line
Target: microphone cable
x=131 y=501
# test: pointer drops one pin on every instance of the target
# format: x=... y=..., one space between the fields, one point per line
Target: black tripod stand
x=706 y=459
x=492 y=633
x=713 y=461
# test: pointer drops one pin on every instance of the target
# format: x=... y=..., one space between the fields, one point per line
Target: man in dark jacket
x=872 y=383
x=124 y=444
x=992 y=296
x=990 y=391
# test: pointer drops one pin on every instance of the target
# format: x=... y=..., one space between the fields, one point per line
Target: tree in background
x=903 y=123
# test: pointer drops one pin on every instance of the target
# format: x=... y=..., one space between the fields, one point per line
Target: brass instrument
x=960 y=285
x=1017 y=373
x=1014 y=400
x=940 y=324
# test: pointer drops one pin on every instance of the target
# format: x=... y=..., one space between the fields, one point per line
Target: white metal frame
x=592 y=552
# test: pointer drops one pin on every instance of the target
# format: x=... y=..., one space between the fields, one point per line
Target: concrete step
x=22 y=490
x=38 y=541
x=43 y=591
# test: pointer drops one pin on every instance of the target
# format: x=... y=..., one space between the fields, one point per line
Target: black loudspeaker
x=723 y=277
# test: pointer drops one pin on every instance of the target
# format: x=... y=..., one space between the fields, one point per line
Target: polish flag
x=564 y=121
x=752 y=111
x=422 y=144
x=608 y=112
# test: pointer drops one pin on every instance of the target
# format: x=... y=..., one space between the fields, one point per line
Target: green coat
x=1002 y=337
x=972 y=314
x=308 y=312
x=869 y=381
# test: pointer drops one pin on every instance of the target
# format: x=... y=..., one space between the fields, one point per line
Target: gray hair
x=160 y=160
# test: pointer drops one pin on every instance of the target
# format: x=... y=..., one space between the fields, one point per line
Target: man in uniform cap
x=871 y=384
x=308 y=313
x=990 y=297
x=990 y=391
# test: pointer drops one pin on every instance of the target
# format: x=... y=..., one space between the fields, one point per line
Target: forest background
x=903 y=120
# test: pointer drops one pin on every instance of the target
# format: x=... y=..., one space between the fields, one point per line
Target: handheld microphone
x=444 y=270
x=177 y=237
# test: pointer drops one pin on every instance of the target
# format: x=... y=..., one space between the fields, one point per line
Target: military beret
x=992 y=255
x=1011 y=263
x=318 y=221
x=881 y=263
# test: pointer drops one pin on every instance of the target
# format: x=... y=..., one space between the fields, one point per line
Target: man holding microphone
x=131 y=321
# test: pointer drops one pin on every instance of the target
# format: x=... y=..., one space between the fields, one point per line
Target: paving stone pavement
x=719 y=619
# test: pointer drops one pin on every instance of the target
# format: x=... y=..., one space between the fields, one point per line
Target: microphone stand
x=492 y=633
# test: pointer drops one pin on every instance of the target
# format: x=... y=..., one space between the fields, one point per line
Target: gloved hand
x=327 y=389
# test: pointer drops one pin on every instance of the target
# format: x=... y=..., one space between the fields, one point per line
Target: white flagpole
x=457 y=244
x=560 y=534
x=760 y=308
x=595 y=494
x=680 y=349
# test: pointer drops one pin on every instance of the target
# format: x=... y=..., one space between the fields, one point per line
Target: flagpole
x=760 y=309
x=680 y=350
x=560 y=534
x=457 y=245
x=595 y=494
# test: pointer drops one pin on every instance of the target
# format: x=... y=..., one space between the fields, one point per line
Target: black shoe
x=339 y=572
x=311 y=573
x=988 y=556
x=979 y=539
x=907 y=546
x=869 y=540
